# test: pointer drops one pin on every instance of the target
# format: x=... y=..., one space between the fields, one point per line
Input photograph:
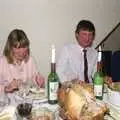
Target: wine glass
x=24 y=110
x=24 y=89
x=25 y=106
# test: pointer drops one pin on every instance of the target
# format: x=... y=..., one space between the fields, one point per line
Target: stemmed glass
x=24 y=89
x=25 y=107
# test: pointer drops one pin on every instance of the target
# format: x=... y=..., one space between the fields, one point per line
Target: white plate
x=7 y=113
x=33 y=94
x=114 y=97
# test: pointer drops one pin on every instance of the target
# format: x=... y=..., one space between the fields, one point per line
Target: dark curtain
x=106 y=60
x=115 y=66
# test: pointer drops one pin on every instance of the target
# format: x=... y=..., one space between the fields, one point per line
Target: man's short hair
x=85 y=25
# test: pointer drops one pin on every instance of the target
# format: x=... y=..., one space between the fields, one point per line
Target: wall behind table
x=54 y=21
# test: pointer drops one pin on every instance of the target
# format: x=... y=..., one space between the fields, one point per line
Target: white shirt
x=70 y=64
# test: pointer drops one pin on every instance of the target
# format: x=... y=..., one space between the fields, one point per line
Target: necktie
x=85 y=66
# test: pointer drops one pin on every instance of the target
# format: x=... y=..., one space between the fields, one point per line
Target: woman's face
x=19 y=53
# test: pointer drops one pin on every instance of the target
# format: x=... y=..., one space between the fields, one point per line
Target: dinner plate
x=114 y=97
x=31 y=95
x=7 y=113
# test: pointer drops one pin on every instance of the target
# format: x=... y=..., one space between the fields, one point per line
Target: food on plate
x=31 y=93
x=78 y=103
x=42 y=114
x=37 y=90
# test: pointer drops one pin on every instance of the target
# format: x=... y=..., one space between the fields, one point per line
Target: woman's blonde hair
x=17 y=38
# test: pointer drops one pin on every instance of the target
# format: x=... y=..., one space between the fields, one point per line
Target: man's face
x=84 y=38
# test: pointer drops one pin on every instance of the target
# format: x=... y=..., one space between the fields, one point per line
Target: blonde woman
x=16 y=64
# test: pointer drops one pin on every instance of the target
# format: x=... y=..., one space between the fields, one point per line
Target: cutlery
x=39 y=102
x=111 y=116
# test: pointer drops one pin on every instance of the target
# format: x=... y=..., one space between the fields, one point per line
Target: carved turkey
x=78 y=103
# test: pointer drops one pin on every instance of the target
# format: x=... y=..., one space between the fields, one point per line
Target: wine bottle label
x=98 y=90
x=53 y=88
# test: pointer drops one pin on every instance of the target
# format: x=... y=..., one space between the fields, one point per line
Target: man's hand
x=108 y=80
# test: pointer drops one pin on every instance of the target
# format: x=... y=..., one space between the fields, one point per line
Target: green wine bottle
x=98 y=80
x=53 y=82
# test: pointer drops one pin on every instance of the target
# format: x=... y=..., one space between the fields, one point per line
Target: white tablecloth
x=114 y=110
x=10 y=109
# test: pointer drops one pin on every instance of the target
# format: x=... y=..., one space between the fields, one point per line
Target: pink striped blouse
x=8 y=72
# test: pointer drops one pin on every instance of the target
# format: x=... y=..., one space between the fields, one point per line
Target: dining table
x=37 y=98
x=41 y=102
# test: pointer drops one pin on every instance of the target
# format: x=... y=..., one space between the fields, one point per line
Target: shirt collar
x=17 y=63
x=81 y=48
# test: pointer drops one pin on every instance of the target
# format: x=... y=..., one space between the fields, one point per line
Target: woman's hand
x=39 y=80
x=12 y=86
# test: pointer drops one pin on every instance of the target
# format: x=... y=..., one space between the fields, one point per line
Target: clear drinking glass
x=24 y=89
x=4 y=100
x=25 y=105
